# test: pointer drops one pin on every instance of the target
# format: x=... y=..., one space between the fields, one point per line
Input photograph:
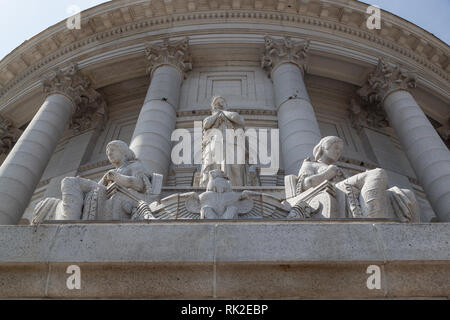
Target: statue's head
x=118 y=151
x=218 y=103
x=329 y=149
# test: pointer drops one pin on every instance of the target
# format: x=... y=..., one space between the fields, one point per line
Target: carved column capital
x=277 y=52
x=363 y=115
x=444 y=133
x=90 y=108
x=384 y=80
x=9 y=135
x=173 y=53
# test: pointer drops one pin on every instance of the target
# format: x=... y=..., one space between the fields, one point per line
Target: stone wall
x=226 y=260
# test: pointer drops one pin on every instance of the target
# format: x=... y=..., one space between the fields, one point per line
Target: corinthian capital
x=282 y=51
x=90 y=107
x=9 y=135
x=174 y=53
x=385 y=79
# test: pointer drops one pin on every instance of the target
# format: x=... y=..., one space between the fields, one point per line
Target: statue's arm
x=133 y=179
x=132 y=182
x=235 y=117
x=310 y=179
x=209 y=121
x=104 y=180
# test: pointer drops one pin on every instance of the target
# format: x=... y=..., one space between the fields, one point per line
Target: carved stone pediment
x=90 y=106
x=174 y=53
x=284 y=51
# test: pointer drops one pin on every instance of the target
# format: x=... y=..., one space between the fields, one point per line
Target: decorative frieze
x=386 y=79
x=282 y=51
x=90 y=106
x=174 y=53
x=9 y=135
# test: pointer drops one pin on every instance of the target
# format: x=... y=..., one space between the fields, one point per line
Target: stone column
x=151 y=141
x=67 y=92
x=299 y=130
x=430 y=158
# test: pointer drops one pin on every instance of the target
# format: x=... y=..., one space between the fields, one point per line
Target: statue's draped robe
x=214 y=147
x=349 y=188
x=95 y=204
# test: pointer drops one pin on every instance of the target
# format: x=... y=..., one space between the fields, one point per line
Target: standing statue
x=363 y=195
x=213 y=149
x=84 y=199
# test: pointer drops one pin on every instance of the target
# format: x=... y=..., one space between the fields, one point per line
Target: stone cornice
x=90 y=108
x=342 y=17
x=277 y=52
x=9 y=135
x=173 y=53
x=386 y=79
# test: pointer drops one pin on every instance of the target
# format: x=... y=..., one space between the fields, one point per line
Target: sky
x=22 y=19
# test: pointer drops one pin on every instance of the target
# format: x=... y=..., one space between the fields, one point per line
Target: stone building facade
x=136 y=71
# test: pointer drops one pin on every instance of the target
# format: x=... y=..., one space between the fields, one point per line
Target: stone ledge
x=216 y=259
x=231 y=241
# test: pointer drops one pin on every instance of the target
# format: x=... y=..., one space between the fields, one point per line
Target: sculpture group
x=321 y=190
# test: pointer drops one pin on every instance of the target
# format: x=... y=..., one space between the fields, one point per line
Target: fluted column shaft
x=151 y=139
x=22 y=169
x=299 y=130
x=427 y=153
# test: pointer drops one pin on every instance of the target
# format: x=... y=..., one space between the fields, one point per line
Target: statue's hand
x=340 y=173
x=220 y=117
x=111 y=176
x=332 y=171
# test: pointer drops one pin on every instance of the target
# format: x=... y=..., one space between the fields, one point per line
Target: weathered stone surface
x=108 y=243
x=421 y=242
x=23 y=280
x=287 y=281
x=290 y=242
x=135 y=280
x=226 y=260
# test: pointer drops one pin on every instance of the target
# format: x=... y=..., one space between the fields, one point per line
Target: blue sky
x=22 y=19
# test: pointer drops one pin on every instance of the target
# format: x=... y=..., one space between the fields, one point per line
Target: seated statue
x=84 y=199
x=365 y=194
